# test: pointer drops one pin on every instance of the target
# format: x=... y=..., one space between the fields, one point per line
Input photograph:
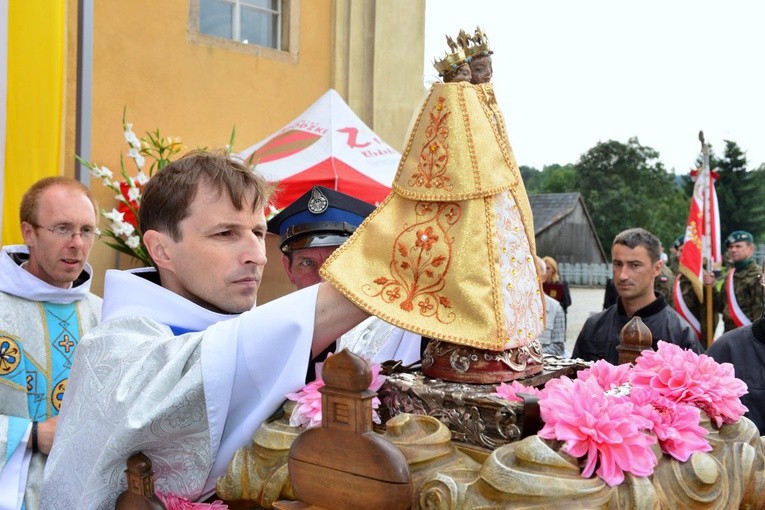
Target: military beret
x=679 y=241
x=739 y=236
x=321 y=217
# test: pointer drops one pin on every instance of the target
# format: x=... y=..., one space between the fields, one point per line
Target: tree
x=739 y=199
x=558 y=179
x=758 y=210
x=531 y=178
x=625 y=186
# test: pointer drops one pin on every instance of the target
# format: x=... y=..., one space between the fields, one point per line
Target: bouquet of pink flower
x=307 y=412
x=611 y=416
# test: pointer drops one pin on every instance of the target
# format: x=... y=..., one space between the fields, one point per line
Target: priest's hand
x=45 y=432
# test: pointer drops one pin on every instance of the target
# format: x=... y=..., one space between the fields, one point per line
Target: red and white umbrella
x=326 y=145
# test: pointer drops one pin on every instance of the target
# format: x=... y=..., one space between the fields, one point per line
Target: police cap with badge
x=319 y=218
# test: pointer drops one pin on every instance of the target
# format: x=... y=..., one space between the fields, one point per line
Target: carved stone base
x=459 y=363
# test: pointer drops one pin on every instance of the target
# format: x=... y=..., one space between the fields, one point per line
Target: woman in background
x=554 y=286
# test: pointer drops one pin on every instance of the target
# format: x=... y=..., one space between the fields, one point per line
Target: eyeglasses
x=68 y=232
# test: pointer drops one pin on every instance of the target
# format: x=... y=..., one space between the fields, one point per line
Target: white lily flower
x=133 y=242
x=105 y=173
x=114 y=215
x=136 y=155
x=134 y=193
x=122 y=228
x=130 y=137
x=141 y=178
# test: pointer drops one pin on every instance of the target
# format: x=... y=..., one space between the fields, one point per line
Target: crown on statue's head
x=451 y=61
x=476 y=46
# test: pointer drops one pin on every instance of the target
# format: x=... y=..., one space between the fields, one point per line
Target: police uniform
x=746 y=286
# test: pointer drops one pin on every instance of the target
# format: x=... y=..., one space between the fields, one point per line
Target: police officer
x=312 y=227
x=740 y=299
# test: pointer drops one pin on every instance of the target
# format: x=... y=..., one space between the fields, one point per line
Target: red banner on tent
x=326 y=145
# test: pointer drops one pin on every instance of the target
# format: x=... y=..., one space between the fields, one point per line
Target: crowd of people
x=175 y=328
x=179 y=361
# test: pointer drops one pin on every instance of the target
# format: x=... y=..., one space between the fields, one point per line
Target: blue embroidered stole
x=43 y=380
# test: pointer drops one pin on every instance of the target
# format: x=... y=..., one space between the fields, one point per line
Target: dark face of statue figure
x=480 y=69
x=461 y=74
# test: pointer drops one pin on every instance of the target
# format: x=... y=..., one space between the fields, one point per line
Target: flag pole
x=707 y=243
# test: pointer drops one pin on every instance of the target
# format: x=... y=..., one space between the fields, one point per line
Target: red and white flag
x=702 y=234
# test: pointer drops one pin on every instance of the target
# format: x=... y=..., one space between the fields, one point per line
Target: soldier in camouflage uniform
x=675 y=252
x=745 y=282
x=663 y=282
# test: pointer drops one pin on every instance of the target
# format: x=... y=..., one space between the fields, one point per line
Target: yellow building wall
x=148 y=60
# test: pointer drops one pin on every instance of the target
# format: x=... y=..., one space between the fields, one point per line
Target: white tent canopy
x=326 y=145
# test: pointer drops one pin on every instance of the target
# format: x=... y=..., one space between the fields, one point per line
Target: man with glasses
x=744 y=348
x=45 y=307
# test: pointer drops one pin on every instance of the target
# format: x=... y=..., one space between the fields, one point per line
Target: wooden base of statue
x=459 y=363
x=363 y=470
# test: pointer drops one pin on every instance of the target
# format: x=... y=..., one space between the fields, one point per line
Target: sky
x=571 y=73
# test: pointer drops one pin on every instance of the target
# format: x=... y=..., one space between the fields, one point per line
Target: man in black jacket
x=636 y=262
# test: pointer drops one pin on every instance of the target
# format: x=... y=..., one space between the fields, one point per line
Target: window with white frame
x=256 y=22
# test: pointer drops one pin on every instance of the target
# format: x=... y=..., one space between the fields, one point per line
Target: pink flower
x=607 y=375
x=173 y=502
x=510 y=391
x=602 y=428
x=676 y=426
x=683 y=376
x=307 y=412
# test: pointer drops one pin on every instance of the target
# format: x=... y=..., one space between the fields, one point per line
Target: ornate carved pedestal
x=492 y=466
x=474 y=416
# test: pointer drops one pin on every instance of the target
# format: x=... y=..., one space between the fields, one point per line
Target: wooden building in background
x=564 y=230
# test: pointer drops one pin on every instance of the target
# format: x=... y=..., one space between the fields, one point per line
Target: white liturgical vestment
x=40 y=326
x=184 y=385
